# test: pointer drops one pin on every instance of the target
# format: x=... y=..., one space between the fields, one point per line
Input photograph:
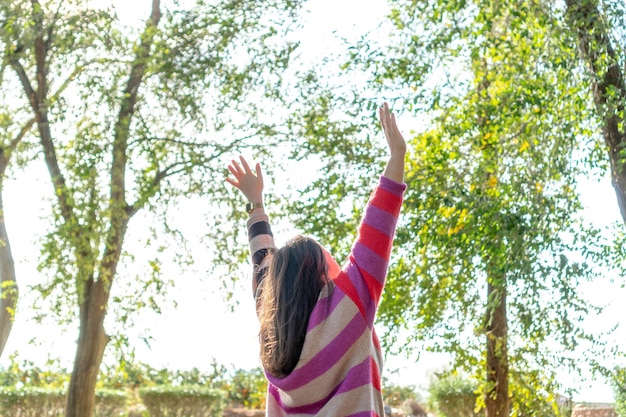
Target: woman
x=319 y=349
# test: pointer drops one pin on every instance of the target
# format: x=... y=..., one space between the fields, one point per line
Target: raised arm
x=397 y=146
x=366 y=270
x=259 y=232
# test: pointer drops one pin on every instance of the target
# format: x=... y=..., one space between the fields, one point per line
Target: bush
x=395 y=395
x=32 y=402
x=453 y=396
x=247 y=388
x=26 y=374
x=110 y=403
x=50 y=402
x=619 y=388
x=183 y=401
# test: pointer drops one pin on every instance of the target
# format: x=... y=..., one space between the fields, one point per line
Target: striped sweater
x=339 y=371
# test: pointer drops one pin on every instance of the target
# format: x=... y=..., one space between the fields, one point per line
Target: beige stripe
x=325 y=332
x=261 y=242
x=320 y=387
x=364 y=398
x=258 y=216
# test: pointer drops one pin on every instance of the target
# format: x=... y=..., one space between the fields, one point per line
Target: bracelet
x=252 y=206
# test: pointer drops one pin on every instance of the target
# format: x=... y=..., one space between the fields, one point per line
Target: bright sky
x=202 y=328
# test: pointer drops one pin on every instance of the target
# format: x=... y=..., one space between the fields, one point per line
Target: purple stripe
x=359 y=283
x=370 y=262
x=358 y=376
x=325 y=307
x=393 y=187
x=364 y=414
x=380 y=220
x=321 y=362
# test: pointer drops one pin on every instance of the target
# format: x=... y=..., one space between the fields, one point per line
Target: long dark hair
x=296 y=275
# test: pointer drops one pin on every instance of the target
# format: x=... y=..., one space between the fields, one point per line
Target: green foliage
x=26 y=373
x=110 y=403
x=38 y=401
x=505 y=131
x=535 y=394
x=242 y=387
x=395 y=395
x=32 y=401
x=183 y=401
x=247 y=388
x=205 y=76
x=131 y=374
x=619 y=388
x=453 y=396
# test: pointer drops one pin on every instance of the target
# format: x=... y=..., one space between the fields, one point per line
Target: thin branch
x=21 y=135
x=37 y=101
x=40 y=53
x=77 y=70
x=23 y=77
x=57 y=13
x=154 y=186
x=187 y=143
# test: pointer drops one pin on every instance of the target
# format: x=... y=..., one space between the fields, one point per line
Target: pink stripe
x=359 y=283
x=380 y=220
x=396 y=188
x=358 y=376
x=325 y=359
x=325 y=308
x=367 y=260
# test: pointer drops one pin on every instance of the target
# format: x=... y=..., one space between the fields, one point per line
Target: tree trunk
x=497 y=396
x=609 y=87
x=92 y=340
x=9 y=293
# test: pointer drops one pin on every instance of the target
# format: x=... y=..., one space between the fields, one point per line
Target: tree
x=490 y=236
x=494 y=180
x=598 y=43
x=8 y=282
x=125 y=131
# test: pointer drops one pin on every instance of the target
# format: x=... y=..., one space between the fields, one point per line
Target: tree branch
x=13 y=144
x=118 y=207
x=77 y=70
x=190 y=144
x=41 y=117
x=608 y=81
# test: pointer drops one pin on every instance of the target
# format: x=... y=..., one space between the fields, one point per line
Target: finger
x=232 y=182
x=238 y=168
x=395 y=125
x=246 y=167
x=386 y=114
x=383 y=122
x=233 y=170
x=258 y=171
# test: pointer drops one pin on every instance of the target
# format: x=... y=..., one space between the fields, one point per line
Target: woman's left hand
x=250 y=183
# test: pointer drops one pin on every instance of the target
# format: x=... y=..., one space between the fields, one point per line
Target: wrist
x=397 y=153
x=254 y=197
x=251 y=206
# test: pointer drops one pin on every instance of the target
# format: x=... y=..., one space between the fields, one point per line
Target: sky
x=202 y=327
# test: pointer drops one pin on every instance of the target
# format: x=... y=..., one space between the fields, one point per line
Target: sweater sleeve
x=366 y=270
x=261 y=242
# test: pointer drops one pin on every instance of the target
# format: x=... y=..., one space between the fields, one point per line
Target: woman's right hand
x=248 y=182
x=397 y=146
x=395 y=140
